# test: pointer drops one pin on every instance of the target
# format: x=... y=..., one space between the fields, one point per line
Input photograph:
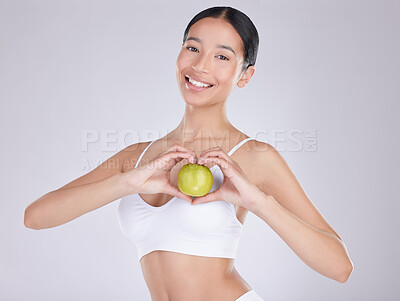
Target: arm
x=285 y=207
x=105 y=184
x=61 y=206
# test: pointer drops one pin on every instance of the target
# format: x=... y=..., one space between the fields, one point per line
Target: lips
x=192 y=87
x=198 y=79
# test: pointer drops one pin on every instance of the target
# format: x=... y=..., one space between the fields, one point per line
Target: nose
x=202 y=64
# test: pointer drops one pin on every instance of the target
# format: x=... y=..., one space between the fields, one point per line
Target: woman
x=186 y=246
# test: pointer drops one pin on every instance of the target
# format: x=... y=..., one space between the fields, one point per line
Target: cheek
x=180 y=66
x=179 y=62
x=183 y=60
x=224 y=75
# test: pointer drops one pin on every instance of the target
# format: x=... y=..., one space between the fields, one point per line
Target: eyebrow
x=218 y=46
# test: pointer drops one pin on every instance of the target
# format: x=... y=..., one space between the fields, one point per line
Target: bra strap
x=229 y=154
x=239 y=145
x=141 y=155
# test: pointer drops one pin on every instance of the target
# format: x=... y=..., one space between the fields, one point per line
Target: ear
x=245 y=78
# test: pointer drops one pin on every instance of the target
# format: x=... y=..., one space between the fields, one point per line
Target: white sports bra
x=210 y=229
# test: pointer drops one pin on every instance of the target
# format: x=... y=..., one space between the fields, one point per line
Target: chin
x=193 y=101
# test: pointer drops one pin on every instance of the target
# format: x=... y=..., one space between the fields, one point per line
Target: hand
x=236 y=187
x=154 y=177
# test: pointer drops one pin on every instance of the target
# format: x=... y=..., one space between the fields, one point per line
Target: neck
x=202 y=123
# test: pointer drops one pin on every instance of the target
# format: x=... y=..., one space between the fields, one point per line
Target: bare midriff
x=172 y=276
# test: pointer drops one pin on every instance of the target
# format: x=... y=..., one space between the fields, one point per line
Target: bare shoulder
x=266 y=162
x=274 y=177
x=131 y=155
x=255 y=157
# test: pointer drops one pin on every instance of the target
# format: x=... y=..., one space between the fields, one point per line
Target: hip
x=227 y=289
x=172 y=276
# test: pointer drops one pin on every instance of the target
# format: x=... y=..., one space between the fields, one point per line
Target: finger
x=193 y=157
x=178 y=147
x=168 y=160
x=210 y=197
x=225 y=166
x=216 y=153
x=208 y=150
x=220 y=161
x=172 y=190
x=175 y=158
x=177 y=155
x=181 y=148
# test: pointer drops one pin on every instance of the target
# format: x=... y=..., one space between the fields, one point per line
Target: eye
x=190 y=47
x=224 y=58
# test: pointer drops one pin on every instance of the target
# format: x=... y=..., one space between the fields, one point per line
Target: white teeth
x=197 y=84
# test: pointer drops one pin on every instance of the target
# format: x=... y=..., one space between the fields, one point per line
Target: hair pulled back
x=242 y=24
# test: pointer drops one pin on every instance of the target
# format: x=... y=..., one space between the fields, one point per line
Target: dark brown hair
x=242 y=24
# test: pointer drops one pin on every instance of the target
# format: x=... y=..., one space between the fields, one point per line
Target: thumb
x=172 y=190
x=210 y=197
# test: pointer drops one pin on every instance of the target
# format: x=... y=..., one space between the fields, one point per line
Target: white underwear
x=250 y=296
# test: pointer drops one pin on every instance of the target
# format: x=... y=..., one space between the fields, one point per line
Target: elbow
x=346 y=272
x=36 y=214
x=29 y=221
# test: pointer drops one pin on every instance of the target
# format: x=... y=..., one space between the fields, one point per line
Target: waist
x=176 y=276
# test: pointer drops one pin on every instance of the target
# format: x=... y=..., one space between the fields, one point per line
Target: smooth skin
x=257 y=180
x=175 y=276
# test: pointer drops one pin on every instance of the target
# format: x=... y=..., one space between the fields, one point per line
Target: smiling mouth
x=198 y=86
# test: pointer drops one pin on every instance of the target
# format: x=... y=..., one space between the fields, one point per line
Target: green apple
x=194 y=180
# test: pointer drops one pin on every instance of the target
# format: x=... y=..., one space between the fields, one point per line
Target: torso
x=176 y=276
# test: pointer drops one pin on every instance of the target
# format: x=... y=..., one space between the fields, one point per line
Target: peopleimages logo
x=113 y=140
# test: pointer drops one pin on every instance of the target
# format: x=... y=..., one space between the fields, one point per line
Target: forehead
x=213 y=31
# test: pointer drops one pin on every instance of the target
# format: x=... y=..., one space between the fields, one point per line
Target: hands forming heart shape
x=154 y=177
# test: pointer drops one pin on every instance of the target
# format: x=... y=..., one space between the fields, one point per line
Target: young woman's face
x=211 y=54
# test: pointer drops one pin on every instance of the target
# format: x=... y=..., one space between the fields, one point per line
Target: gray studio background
x=327 y=71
